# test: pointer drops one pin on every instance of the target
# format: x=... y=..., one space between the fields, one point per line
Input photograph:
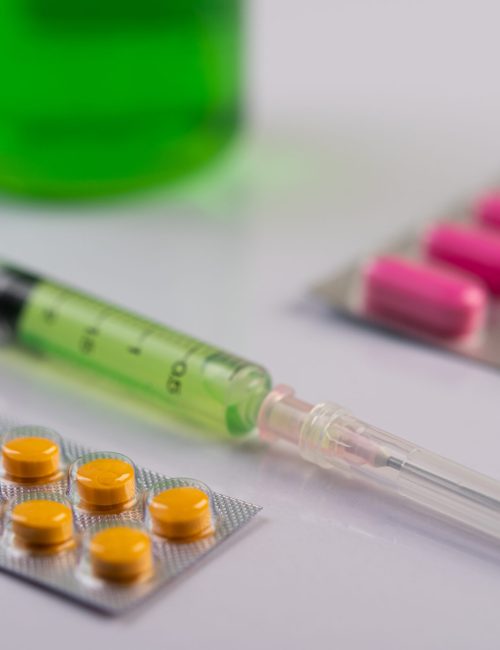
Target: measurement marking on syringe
x=192 y=350
x=179 y=369
x=50 y=313
x=95 y=329
x=137 y=348
x=88 y=340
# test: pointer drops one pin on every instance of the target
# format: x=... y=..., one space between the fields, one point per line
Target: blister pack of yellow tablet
x=95 y=527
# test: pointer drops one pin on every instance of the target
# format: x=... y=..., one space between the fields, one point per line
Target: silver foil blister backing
x=343 y=292
x=65 y=573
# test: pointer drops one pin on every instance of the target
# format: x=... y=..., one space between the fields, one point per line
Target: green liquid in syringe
x=195 y=380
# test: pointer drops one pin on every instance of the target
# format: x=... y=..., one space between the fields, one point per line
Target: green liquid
x=102 y=96
x=197 y=382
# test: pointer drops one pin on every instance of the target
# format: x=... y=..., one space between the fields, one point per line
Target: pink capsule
x=472 y=249
x=487 y=210
x=438 y=301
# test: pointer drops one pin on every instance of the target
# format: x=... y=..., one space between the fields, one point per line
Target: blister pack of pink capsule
x=439 y=284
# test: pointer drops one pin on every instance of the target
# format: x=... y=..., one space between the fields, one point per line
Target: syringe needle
x=440 y=481
x=331 y=437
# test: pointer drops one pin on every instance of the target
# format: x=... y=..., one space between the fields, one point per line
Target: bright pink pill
x=439 y=301
x=487 y=210
x=470 y=248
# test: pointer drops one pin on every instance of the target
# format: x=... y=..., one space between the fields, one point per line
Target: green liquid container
x=104 y=96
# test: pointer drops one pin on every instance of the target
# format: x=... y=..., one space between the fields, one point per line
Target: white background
x=368 y=117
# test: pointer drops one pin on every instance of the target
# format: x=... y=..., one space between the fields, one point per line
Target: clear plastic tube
x=331 y=437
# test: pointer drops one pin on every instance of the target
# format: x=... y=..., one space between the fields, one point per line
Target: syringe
x=199 y=382
x=196 y=381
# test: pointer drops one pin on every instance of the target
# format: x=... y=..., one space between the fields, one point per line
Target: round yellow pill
x=30 y=457
x=106 y=482
x=180 y=513
x=41 y=522
x=121 y=553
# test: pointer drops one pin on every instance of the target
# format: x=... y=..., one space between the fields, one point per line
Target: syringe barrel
x=331 y=437
x=197 y=382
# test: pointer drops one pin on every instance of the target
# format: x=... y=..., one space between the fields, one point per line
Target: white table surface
x=405 y=121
